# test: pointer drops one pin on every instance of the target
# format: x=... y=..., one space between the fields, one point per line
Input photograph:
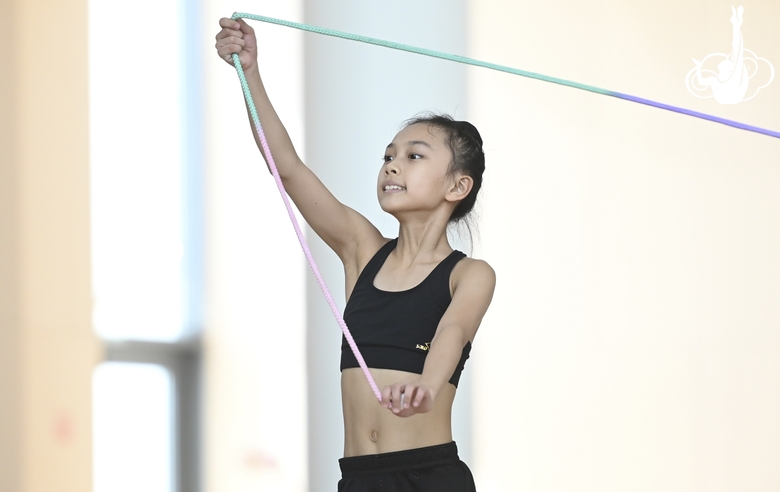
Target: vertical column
x=357 y=96
x=47 y=350
x=10 y=343
x=56 y=349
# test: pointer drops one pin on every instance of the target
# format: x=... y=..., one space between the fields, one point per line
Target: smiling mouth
x=394 y=188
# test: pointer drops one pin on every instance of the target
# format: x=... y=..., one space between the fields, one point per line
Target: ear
x=461 y=187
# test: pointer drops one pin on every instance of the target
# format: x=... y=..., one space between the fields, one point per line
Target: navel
x=374 y=436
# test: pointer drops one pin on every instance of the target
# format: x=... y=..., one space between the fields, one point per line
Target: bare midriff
x=369 y=428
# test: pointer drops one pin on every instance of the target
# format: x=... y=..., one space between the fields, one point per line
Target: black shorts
x=431 y=469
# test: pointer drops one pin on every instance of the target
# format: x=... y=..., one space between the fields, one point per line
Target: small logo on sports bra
x=425 y=346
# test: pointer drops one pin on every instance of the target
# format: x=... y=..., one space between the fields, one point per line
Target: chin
x=388 y=210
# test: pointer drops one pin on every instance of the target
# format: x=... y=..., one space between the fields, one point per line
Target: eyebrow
x=413 y=142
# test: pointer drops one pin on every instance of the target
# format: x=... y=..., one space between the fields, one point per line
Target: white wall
x=632 y=343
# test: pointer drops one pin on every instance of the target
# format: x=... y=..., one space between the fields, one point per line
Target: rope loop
x=434 y=54
x=503 y=68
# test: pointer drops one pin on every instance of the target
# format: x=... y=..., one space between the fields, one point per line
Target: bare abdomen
x=370 y=428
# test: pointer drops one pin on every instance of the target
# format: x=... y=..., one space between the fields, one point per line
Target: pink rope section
x=301 y=239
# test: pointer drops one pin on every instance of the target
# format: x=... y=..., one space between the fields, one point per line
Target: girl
x=414 y=304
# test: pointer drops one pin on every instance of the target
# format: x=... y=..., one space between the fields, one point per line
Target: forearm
x=282 y=149
x=442 y=359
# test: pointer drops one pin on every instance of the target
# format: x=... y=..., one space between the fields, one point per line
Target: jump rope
x=435 y=54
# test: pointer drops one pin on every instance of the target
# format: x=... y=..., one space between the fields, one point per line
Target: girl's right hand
x=237 y=36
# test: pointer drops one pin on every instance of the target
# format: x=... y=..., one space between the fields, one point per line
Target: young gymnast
x=414 y=304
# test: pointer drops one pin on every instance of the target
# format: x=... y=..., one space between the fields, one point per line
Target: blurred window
x=146 y=243
x=132 y=421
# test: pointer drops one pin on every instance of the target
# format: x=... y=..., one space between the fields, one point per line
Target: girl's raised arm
x=342 y=228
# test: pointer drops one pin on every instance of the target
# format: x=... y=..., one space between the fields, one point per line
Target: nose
x=391 y=168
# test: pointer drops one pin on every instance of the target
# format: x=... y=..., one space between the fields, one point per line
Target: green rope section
x=500 y=68
x=419 y=51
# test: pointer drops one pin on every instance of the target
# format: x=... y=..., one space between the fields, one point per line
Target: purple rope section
x=301 y=238
x=696 y=114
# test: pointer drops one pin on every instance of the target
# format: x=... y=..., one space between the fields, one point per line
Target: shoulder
x=473 y=275
x=472 y=283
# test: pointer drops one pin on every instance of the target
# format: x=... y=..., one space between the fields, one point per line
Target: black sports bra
x=393 y=330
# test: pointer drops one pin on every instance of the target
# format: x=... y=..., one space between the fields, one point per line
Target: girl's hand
x=237 y=37
x=407 y=399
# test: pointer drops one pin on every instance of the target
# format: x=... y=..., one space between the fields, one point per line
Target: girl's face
x=414 y=175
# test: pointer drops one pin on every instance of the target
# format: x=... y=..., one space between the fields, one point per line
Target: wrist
x=251 y=71
x=430 y=386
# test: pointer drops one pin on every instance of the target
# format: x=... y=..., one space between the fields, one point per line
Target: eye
x=387 y=158
x=415 y=156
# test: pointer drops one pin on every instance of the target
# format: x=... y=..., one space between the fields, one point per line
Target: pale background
x=633 y=340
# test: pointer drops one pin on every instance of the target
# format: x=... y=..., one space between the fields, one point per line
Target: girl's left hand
x=407 y=399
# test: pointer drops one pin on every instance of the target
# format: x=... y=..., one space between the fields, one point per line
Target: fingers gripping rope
x=301 y=239
x=502 y=68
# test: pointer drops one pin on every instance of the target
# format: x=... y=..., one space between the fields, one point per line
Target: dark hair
x=465 y=143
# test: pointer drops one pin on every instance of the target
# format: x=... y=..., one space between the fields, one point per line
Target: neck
x=422 y=240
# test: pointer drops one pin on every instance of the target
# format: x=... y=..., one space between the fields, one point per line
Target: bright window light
x=137 y=170
x=132 y=428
